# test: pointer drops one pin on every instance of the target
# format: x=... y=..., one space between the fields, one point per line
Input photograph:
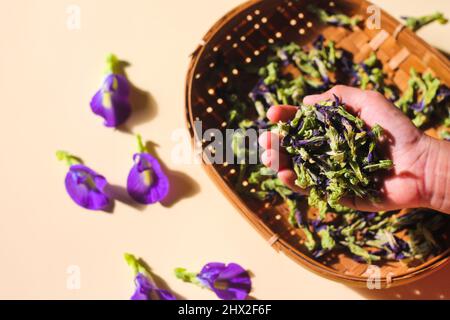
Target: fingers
x=363 y=204
x=281 y=113
x=352 y=97
x=275 y=160
x=273 y=157
x=269 y=140
x=278 y=160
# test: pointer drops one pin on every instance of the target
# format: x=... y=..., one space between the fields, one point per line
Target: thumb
x=353 y=98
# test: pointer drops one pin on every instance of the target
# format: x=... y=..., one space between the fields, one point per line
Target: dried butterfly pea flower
x=369 y=75
x=416 y=23
x=336 y=19
x=425 y=99
x=337 y=163
x=359 y=233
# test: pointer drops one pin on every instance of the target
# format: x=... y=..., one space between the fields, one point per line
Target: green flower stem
x=416 y=23
x=186 y=276
x=141 y=146
x=68 y=158
x=112 y=65
x=138 y=266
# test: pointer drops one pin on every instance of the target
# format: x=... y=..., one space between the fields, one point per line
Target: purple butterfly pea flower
x=399 y=247
x=419 y=106
x=147 y=183
x=370 y=215
x=111 y=102
x=228 y=282
x=146 y=288
x=85 y=186
x=283 y=56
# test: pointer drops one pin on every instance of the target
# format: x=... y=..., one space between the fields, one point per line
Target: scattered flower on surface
x=146 y=288
x=84 y=185
x=228 y=282
x=147 y=183
x=111 y=102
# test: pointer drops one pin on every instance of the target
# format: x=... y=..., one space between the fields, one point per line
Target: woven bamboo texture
x=242 y=38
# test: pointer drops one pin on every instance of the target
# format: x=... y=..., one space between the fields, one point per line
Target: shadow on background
x=182 y=186
x=143 y=105
x=434 y=286
x=120 y=194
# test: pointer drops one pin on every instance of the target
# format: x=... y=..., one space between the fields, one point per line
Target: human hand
x=407 y=186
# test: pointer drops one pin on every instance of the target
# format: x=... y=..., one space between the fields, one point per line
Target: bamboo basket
x=242 y=37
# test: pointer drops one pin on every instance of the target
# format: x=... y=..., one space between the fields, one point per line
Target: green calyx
x=186 y=276
x=136 y=265
x=112 y=64
x=68 y=158
x=141 y=145
x=147 y=174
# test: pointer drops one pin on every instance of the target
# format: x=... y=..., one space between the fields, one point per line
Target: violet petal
x=86 y=188
x=147 y=183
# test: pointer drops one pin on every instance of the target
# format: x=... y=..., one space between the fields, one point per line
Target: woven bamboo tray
x=242 y=37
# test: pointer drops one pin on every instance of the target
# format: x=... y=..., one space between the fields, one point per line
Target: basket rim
x=302 y=259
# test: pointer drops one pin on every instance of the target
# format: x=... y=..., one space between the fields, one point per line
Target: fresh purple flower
x=228 y=282
x=111 y=102
x=147 y=183
x=85 y=186
x=146 y=289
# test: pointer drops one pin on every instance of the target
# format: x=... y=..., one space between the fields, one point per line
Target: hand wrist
x=435 y=180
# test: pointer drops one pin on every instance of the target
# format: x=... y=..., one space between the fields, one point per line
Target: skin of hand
x=420 y=177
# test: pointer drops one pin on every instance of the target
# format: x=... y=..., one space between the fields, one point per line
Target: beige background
x=47 y=77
